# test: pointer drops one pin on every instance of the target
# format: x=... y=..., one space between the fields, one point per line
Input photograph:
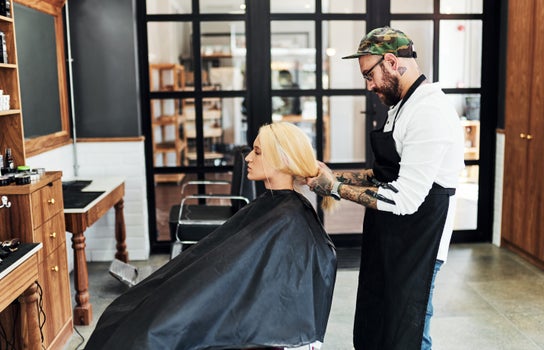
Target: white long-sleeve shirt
x=429 y=139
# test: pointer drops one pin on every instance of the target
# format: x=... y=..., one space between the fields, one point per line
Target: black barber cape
x=264 y=278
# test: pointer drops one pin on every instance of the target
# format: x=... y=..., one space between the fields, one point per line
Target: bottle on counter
x=9 y=162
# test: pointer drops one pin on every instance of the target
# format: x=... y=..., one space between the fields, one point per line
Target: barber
x=408 y=195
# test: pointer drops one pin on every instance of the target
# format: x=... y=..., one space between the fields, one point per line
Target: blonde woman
x=263 y=280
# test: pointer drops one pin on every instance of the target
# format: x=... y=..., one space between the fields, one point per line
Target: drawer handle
x=522 y=135
x=529 y=137
x=51 y=201
x=55 y=269
x=53 y=235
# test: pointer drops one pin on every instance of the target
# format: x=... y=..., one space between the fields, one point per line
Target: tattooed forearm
x=355 y=178
x=358 y=195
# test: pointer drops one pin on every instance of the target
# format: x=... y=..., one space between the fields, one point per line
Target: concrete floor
x=486 y=298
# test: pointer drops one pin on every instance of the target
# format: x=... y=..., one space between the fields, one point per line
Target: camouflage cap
x=384 y=40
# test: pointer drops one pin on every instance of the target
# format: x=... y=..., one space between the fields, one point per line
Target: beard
x=389 y=93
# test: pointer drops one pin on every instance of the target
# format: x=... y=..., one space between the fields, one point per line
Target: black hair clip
x=379 y=197
x=383 y=184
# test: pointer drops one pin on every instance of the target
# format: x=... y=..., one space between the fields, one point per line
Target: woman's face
x=258 y=169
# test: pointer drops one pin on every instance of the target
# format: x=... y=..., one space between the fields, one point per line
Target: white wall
x=100 y=159
x=497 y=205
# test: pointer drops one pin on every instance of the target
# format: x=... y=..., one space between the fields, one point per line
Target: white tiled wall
x=95 y=159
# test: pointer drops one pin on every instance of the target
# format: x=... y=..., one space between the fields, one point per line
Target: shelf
x=6 y=19
x=208 y=133
x=10 y=112
x=8 y=65
x=164 y=120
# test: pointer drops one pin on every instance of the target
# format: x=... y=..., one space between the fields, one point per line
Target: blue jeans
x=426 y=344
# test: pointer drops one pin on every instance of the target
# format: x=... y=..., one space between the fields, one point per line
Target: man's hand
x=322 y=183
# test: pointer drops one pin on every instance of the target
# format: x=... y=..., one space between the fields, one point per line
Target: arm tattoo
x=358 y=195
x=354 y=178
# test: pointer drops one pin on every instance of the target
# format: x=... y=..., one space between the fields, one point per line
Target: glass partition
x=345 y=128
x=293 y=54
x=155 y=7
x=461 y=6
x=339 y=73
x=344 y=6
x=460 y=65
x=421 y=33
x=292 y=6
x=412 y=6
x=214 y=6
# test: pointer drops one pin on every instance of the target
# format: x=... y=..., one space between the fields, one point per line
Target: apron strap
x=437 y=189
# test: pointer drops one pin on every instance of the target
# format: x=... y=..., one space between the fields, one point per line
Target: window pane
x=411 y=6
x=293 y=50
x=460 y=64
x=214 y=6
x=168 y=7
x=223 y=54
x=466 y=105
x=222 y=120
x=466 y=212
x=169 y=42
x=341 y=38
x=304 y=120
x=421 y=33
x=345 y=6
x=461 y=6
x=292 y=6
x=345 y=130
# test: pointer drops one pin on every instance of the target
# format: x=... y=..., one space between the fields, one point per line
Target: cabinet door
x=535 y=140
x=15 y=217
x=523 y=188
x=57 y=306
x=517 y=112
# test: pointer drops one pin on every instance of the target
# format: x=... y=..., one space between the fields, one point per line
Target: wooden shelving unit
x=11 y=121
x=36 y=211
x=212 y=131
x=167 y=118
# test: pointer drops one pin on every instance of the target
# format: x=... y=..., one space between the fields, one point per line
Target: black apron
x=397 y=259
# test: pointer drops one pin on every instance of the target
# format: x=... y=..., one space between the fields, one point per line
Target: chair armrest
x=209 y=196
x=203 y=182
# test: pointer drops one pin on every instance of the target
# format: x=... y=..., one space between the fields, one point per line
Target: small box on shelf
x=5 y=8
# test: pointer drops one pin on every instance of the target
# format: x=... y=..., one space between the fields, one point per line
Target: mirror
x=39 y=31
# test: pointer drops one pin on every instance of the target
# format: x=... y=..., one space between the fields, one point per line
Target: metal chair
x=195 y=217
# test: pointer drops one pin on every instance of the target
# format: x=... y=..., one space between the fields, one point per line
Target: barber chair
x=199 y=214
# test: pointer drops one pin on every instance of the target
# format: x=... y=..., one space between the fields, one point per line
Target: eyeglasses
x=367 y=75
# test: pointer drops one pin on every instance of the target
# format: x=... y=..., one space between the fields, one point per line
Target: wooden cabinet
x=11 y=123
x=523 y=189
x=35 y=214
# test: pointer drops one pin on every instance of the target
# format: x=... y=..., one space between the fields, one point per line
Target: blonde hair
x=288 y=149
